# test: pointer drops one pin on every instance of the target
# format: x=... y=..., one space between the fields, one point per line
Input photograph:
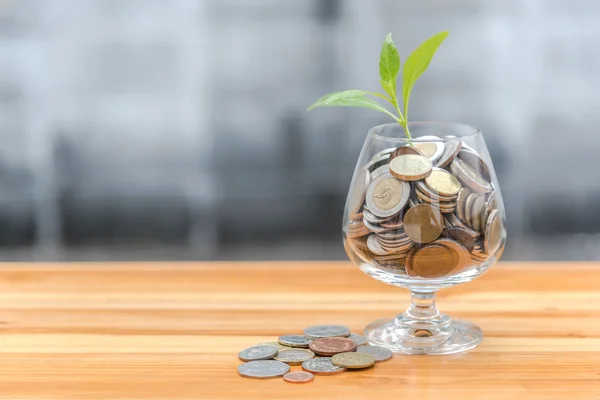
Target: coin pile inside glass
x=321 y=350
x=426 y=210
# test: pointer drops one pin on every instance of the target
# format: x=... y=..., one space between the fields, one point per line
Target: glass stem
x=422 y=306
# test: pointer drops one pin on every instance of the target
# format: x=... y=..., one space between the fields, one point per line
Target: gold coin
x=428 y=149
x=492 y=238
x=421 y=186
x=410 y=167
x=353 y=360
x=478 y=212
x=423 y=223
x=434 y=261
x=443 y=182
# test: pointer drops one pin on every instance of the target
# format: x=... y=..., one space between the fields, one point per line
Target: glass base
x=407 y=336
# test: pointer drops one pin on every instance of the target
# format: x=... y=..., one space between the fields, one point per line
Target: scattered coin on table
x=353 y=360
x=322 y=366
x=358 y=339
x=294 y=340
x=299 y=377
x=323 y=331
x=332 y=345
x=378 y=353
x=263 y=369
x=258 y=352
x=294 y=356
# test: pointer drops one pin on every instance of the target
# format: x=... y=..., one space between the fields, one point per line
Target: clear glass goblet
x=424 y=214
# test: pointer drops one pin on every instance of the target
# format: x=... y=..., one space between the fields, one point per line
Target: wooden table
x=173 y=331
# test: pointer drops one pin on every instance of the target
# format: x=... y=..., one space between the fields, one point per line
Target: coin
x=353 y=360
x=258 y=352
x=387 y=196
x=332 y=345
x=478 y=212
x=377 y=162
x=277 y=344
x=322 y=366
x=455 y=222
x=492 y=238
x=358 y=339
x=375 y=247
x=433 y=261
x=294 y=340
x=464 y=257
x=298 y=377
x=410 y=167
x=384 y=152
x=323 y=331
x=377 y=352
x=469 y=177
x=294 y=356
x=452 y=147
x=420 y=186
x=380 y=171
x=423 y=223
x=475 y=161
x=432 y=150
x=359 y=188
x=404 y=150
x=460 y=202
x=263 y=369
x=469 y=209
x=372 y=218
x=443 y=182
x=460 y=235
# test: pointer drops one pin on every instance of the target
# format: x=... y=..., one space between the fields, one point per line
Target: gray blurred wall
x=149 y=129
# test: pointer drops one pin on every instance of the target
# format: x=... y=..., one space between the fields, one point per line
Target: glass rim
x=472 y=131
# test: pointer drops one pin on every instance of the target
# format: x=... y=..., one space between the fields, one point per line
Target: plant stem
x=403 y=122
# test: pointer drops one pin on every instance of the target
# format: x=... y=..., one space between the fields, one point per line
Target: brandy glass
x=424 y=233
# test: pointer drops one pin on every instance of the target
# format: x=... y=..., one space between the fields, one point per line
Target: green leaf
x=350 y=98
x=389 y=66
x=417 y=63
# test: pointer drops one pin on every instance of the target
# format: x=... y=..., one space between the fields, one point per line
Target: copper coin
x=402 y=150
x=298 y=377
x=332 y=345
x=423 y=223
x=461 y=236
x=464 y=257
x=434 y=261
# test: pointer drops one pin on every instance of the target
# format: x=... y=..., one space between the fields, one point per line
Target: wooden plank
x=173 y=330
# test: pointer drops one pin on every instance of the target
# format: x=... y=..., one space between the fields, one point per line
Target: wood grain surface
x=173 y=331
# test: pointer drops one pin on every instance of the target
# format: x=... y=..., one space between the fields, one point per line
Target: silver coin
x=358 y=339
x=375 y=247
x=374 y=227
x=380 y=171
x=359 y=189
x=258 y=352
x=294 y=356
x=470 y=177
x=398 y=195
x=322 y=366
x=437 y=152
x=263 y=369
x=323 y=331
x=377 y=352
x=377 y=162
x=371 y=218
x=452 y=147
x=294 y=340
x=385 y=152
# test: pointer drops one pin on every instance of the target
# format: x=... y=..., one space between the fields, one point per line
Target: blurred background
x=151 y=129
